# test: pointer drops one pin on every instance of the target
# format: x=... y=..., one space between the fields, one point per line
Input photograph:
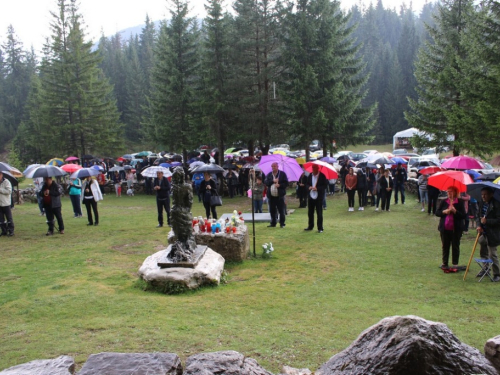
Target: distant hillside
x=134 y=30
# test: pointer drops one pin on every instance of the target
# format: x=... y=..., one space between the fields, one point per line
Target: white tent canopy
x=397 y=139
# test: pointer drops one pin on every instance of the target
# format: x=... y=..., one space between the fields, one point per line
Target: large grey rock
x=63 y=365
x=132 y=364
x=407 y=345
x=208 y=271
x=227 y=362
x=287 y=370
x=492 y=351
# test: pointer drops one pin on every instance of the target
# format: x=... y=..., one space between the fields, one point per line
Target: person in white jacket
x=6 y=222
x=91 y=194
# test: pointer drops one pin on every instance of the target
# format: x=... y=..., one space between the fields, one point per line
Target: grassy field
x=77 y=294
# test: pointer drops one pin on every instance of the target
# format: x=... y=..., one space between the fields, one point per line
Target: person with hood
x=6 y=222
x=91 y=194
x=51 y=194
x=488 y=225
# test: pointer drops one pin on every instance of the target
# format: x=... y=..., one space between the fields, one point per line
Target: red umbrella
x=70 y=168
x=462 y=162
x=443 y=180
x=120 y=159
x=431 y=170
x=327 y=169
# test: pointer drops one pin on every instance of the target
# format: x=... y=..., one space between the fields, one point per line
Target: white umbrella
x=195 y=164
x=152 y=171
x=45 y=171
x=85 y=172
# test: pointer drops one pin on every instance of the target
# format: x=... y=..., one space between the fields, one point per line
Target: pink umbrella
x=72 y=158
x=70 y=168
x=286 y=164
x=462 y=162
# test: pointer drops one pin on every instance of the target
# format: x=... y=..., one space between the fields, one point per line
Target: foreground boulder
x=132 y=363
x=226 y=362
x=407 y=345
x=492 y=351
x=63 y=365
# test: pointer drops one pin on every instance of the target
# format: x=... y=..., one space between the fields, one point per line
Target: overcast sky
x=31 y=18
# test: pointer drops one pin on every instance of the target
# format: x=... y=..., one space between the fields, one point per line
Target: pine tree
x=324 y=78
x=79 y=110
x=171 y=120
x=217 y=104
x=437 y=111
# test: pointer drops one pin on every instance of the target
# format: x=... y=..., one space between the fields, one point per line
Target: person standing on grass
x=452 y=214
x=488 y=225
x=422 y=188
x=344 y=171
x=386 y=184
x=302 y=190
x=258 y=194
x=117 y=182
x=371 y=184
x=351 y=182
x=130 y=179
x=276 y=182
x=162 y=188
x=400 y=177
x=432 y=196
x=91 y=195
x=6 y=221
x=361 y=187
x=51 y=195
x=208 y=186
x=316 y=185
x=75 y=193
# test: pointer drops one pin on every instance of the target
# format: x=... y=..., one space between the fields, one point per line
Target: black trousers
x=91 y=205
x=209 y=208
x=6 y=223
x=350 y=197
x=50 y=213
x=315 y=205
x=277 y=206
x=163 y=204
x=385 y=196
x=451 y=238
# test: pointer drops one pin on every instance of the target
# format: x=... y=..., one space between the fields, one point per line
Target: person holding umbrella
x=452 y=214
x=91 y=195
x=316 y=185
x=400 y=177
x=162 y=188
x=488 y=225
x=75 y=193
x=276 y=182
x=52 y=205
x=206 y=187
x=6 y=222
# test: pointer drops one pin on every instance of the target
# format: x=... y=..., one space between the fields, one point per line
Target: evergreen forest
x=268 y=72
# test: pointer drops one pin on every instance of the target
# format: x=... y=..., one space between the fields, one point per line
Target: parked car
x=369 y=152
x=400 y=151
x=358 y=157
x=488 y=168
x=423 y=163
x=315 y=145
x=340 y=153
x=430 y=153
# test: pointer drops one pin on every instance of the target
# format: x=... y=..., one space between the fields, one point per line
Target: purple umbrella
x=328 y=159
x=285 y=164
x=176 y=164
x=462 y=162
x=399 y=160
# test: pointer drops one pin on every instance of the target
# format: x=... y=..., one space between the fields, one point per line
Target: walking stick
x=470 y=259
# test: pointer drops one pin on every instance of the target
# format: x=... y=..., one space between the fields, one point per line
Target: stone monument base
x=208 y=271
x=196 y=256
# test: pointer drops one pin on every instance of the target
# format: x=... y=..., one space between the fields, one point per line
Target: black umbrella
x=210 y=168
x=87 y=157
x=11 y=178
x=85 y=172
x=46 y=171
x=176 y=157
x=229 y=166
x=474 y=190
x=489 y=176
x=127 y=167
x=365 y=164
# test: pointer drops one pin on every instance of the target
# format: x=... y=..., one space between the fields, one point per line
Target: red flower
x=239 y=212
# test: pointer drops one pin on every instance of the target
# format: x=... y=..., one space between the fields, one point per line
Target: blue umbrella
x=474 y=174
x=98 y=167
x=192 y=160
x=176 y=164
x=328 y=159
x=399 y=160
x=474 y=190
x=165 y=165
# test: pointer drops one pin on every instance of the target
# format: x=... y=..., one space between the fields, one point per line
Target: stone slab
x=259 y=218
x=197 y=255
x=207 y=272
x=63 y=365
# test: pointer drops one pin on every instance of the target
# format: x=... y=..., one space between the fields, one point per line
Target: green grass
x=77 y=293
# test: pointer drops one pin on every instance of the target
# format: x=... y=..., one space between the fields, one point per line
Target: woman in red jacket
x=351 y=181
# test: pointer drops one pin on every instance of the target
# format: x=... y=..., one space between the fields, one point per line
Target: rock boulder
x=408 y=345
x=63 y=365
x=492 y=351
x=225 y=362
x=132 y=363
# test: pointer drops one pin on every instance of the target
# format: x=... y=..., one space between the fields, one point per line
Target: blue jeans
x=424 y=198
x=77 y=207
x=257 y=205
x=399 y=187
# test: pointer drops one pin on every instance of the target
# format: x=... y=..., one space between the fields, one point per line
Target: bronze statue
x=182 y=197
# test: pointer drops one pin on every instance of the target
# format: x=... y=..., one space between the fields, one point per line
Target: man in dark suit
x=162 y=188
x=316 y=185
x=276 y=182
